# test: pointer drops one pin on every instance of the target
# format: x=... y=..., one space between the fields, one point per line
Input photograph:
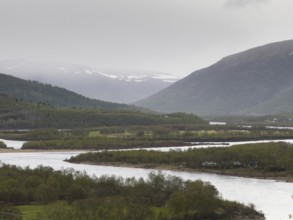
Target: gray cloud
x=172 y=36
x=241 y=3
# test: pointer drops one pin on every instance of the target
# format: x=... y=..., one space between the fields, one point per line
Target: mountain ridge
x=237 y=84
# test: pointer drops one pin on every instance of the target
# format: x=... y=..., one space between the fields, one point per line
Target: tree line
x=16 y=114
x=73 y=195
x=270 y=157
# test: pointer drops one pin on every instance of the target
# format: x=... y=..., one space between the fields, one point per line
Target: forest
x=70 y=195
x=17 y=114
x=271 y=158
x=36 y=92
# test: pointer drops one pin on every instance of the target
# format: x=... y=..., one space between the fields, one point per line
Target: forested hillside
x=19 y=114
x=44 y=93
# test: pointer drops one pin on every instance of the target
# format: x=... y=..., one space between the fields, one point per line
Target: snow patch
x=165 y=77
x=169 y=80
x=108 y=75
x=88 y=71
x=134 y=77
x=142 y=77
x=139 y=80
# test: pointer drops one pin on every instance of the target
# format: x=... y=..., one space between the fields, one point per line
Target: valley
x=229 y=125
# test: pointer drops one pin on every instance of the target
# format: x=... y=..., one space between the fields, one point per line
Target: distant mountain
x=123 y=86
x=44 y=93
x=254 y=82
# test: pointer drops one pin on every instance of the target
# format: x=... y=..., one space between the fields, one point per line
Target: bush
x=2 y=145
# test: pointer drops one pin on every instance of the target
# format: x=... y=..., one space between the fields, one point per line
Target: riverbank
x=262 y=160
x=241 y=172
x=244 y=190
x=10 y=150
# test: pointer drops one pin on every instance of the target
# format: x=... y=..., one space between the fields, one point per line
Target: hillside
x=254 y=82
x=114 y=85
x=16 y=114
x=36 y=92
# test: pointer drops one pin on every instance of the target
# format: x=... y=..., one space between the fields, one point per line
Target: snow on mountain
x=123 y=86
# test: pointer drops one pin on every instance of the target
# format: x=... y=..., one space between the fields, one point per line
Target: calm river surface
x=271 y=197
x=13 y=144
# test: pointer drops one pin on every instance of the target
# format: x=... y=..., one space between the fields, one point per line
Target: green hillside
x=19 y=114
x=43 y=93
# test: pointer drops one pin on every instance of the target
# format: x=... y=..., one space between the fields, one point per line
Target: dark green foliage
x=2 y=145
x=9 y=212
x=272 y=157
x=98 y=143
x=18 y=114
x=195 y=201
x=115 y=137
x=114 y=198
x=43 y=93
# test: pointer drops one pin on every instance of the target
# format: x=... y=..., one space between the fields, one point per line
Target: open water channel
x=271 y=197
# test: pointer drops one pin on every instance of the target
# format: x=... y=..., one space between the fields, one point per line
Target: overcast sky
x=173 y=36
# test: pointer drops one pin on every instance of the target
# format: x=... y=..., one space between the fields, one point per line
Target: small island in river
x=265 y=160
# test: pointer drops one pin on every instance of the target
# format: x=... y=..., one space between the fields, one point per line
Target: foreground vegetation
x=69 y=195
x=257 y=160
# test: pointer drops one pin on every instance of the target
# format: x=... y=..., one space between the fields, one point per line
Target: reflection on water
x=271 y=197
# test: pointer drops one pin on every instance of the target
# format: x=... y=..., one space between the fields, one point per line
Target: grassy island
x=272 y=160
x=121 y=137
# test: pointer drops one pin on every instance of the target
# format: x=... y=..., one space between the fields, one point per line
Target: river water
x=13 y=144
x=271 y=197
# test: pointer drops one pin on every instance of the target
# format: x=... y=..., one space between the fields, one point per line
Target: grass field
x=30 y=212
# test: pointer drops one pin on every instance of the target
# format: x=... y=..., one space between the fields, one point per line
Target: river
x=13 y=144
x=271 y=197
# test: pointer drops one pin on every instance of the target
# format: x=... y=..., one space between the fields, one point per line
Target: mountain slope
x=43 y=93
x=256 y=81
x=123 y=86
x=17 y=114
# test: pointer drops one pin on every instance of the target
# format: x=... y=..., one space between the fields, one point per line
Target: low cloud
x=242 y=3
